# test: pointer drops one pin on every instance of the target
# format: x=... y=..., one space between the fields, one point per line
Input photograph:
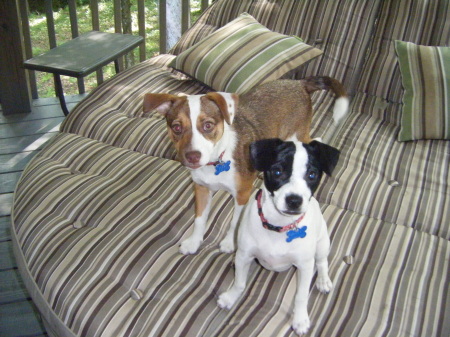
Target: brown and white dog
x=212 y=134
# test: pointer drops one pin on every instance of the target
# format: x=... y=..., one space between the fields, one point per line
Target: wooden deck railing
x=169 y=29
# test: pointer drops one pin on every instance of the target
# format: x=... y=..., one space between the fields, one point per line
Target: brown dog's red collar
x=217 y=162
x=220 y=165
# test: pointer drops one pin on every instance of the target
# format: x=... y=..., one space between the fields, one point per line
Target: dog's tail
x=341 y=105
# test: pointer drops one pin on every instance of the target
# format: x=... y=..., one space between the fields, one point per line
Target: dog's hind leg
x=203 y=198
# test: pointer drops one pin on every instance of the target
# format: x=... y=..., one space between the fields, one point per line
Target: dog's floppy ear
x=263 y=153
x=159 y=102
x=327 y=155
x=226 y=102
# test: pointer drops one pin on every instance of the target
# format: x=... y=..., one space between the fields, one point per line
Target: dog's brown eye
x=177 y=129
x=208 y=127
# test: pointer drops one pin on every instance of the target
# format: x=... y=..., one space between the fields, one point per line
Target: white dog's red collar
x=271 y=227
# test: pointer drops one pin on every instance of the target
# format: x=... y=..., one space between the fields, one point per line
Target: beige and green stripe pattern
x=426 y=101
x=421 y=22
x=99 y=229
x=342 y=29
x=241 y=55
x=405 y=183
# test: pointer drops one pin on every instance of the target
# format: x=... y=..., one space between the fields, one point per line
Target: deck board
x=7 y=261
x=43 y=108
x=12 y=287
x=6 y=200
x=27 y=128
x=21 y=138
x=14 y=162
x=20 y=319
x=8 y=181
x=24 y=143
x=5 y=223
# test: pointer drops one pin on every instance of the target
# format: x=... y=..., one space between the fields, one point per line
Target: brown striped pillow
x=243 y=54
x=426 y=100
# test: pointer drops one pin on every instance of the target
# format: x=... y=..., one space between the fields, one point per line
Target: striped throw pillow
x=426 y=100
x=243 y=54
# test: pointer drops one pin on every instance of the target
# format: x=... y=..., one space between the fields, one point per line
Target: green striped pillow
x=241 y=55
x=426 y=99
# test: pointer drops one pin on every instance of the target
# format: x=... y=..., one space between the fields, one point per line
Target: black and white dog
x=283 y=226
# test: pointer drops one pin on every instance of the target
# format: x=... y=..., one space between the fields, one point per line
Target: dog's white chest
x=206 y=176
x=275 y=262
x=279 y=255
x=274 y=250
x=222 y=176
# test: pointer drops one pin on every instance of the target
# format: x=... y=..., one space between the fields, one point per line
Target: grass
x=40 y=43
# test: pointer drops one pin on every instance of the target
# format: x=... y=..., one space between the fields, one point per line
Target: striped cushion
x=426 y=101
x=428 y=25
x=99 y=229
x=242 y=55
x=406 y=183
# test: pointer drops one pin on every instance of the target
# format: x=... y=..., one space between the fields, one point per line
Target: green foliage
x=40 y=43
x=38 y=6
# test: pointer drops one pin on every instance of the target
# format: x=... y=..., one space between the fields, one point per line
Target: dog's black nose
x=193 y=157
x=294 y=201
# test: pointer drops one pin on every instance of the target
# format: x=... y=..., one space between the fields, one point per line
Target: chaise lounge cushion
x=405 y=183
x=99 y=229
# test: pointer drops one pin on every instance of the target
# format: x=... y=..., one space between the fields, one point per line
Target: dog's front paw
x=227 y=245
x=190 y=246
x=301 y=325
x=227 y=299
x=324 y=284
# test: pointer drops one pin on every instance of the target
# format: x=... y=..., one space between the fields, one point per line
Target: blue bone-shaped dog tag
x=222 y=167
x=296 y=233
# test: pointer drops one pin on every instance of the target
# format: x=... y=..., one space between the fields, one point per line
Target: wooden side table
x=81 y=56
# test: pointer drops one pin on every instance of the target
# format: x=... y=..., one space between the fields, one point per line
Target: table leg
x=116 y=65
x=60 y=93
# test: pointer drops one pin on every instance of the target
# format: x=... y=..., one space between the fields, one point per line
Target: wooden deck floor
x=21 y=137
